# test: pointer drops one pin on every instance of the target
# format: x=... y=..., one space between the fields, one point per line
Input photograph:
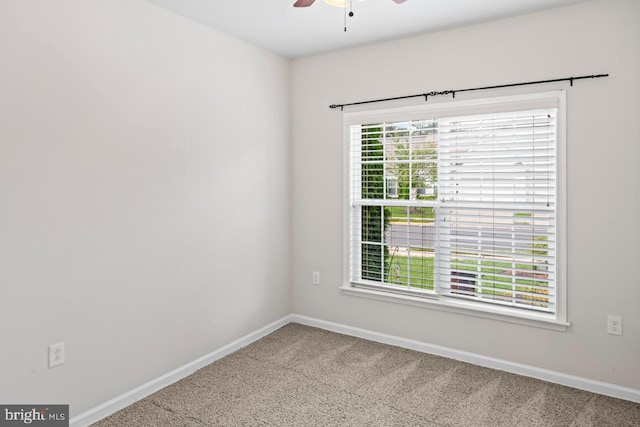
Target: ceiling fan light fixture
x=337 y=3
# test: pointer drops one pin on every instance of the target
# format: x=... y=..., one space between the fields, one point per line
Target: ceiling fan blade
x=399 y=1
x=303 y=3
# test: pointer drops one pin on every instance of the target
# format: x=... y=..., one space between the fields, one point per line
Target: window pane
x=410 y=239
x=372 y=260
x=372 y=224
x=372 y=156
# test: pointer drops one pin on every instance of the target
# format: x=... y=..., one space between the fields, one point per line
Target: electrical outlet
x=316 y=278
x=56 y=354
x=614 y=325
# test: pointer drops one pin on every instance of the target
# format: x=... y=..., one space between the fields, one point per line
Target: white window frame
x=554 y=99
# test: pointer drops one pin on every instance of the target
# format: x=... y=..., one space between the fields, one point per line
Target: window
x=460 y=203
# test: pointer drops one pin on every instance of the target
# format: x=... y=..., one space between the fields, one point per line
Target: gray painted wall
x=144 y=195
x=603 y=178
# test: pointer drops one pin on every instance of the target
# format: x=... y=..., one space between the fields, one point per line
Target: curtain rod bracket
x=441 y=93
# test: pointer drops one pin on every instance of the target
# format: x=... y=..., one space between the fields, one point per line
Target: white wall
x=603 y=177
x=144 y=195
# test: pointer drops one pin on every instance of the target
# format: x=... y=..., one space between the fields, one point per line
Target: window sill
x=503 y=314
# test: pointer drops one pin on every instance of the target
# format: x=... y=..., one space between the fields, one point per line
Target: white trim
x=562 y=209
x=469 y=308
x=120 y=402
x=581 y=383
x=492 y=104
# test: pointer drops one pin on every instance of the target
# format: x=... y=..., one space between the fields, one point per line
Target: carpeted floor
x=303 y=376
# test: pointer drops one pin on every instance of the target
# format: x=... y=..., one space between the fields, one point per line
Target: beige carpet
x=303 y=376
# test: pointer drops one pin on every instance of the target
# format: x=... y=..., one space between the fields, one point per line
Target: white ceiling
x=296 y=32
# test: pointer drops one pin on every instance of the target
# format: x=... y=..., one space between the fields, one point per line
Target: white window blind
x=461 y=208
x=498 y=193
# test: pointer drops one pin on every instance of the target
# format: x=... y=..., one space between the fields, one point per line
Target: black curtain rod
x=453 y=92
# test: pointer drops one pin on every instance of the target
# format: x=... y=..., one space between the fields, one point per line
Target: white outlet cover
x=56 y=355
x=614 y=325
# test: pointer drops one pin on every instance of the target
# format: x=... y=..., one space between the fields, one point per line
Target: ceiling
x=277 y=26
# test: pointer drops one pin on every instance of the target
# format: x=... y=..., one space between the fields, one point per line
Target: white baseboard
x=130 y=397
x=581 y=383
x=126 y=399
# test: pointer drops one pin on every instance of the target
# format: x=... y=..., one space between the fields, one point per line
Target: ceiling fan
x=346 y=4
x=307 y=3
